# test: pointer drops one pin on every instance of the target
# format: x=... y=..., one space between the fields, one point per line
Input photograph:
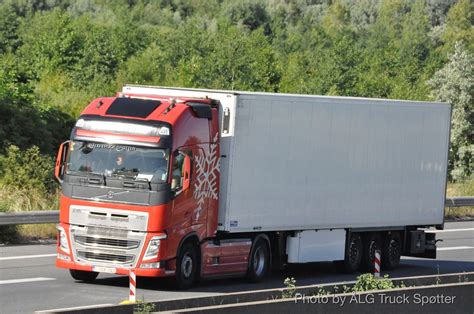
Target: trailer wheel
x=391 y=251
x=186 y=266
x=259 y=261
x=353 y=255
x=82 y=275
x=372 y=243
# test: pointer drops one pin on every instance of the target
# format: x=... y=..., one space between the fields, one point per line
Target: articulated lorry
x=194 y=183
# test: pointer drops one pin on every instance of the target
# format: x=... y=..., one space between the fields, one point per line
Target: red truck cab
x=140 y=180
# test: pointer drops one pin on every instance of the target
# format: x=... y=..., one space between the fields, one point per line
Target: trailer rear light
x=122 y=127
x=153 y=247
x=63 y=243
x=150 y=265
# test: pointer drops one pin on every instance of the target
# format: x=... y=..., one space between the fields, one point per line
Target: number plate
x=101 y=269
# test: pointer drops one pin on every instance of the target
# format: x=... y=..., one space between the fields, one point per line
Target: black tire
x=186 y=266
x=391 y=251
x=372 y=242
x=82 y=275
x=353 y=254
x=259 y=261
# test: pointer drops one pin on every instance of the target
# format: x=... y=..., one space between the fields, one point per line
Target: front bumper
x=143 y=272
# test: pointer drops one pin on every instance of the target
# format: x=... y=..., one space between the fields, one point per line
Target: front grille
x=107 y=242
x=103 y=257
x=103 y=246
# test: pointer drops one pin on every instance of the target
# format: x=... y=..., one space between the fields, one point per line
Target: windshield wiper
x=136 y=183
x=89 y=175
x=99 y=180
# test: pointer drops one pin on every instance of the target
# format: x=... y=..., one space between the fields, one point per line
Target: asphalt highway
x=29 y=281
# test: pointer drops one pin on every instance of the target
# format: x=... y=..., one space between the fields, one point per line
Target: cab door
x=183 y=204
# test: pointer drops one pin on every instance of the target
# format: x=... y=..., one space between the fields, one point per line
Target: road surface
x=29 y=281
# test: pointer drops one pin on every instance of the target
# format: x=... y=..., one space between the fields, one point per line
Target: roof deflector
x=133 y=107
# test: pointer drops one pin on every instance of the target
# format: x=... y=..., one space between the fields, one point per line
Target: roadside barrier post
x=377 y=264
x=133 y=286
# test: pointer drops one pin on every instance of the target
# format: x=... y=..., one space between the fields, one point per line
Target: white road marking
x=77 y=308
x=455 y=248
x=449 y=230
x=6 y=282
x=25 y=256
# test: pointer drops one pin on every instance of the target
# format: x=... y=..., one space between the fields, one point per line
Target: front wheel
x=259 y=261
x=82 y=275
x=186 y=266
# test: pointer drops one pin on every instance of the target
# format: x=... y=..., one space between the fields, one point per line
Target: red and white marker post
x=377 y=264
x=133 y=286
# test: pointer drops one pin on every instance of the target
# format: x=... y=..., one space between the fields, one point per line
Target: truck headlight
x=63 y=243
x=153 y=247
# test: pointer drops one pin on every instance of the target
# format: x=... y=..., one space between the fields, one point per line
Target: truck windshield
x=122 y=161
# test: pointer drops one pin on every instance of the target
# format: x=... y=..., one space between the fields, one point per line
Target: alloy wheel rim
x=187 y=266
x=258 y=261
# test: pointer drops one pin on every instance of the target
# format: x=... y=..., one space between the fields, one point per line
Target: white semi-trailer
x=266 y=178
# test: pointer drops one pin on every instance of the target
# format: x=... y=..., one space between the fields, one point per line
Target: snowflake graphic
x=207 y=170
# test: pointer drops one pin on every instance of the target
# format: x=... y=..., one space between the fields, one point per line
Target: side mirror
x=60 y=161
x=186 y=173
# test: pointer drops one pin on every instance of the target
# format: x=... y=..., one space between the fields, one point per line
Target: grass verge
x=460 y=189
x=16 y=200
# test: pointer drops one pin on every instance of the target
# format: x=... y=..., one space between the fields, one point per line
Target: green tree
x=236 y=63
x=459 y=25
x=9 y=23
x=364 y=12
x=27 y=169
x=22 y=122
x=251 y=14
x=454 y=83
x=414 y=48
x=49 y=43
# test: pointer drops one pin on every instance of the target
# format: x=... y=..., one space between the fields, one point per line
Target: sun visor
x=122 y=131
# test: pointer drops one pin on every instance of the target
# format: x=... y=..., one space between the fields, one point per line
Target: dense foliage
x=57 y=55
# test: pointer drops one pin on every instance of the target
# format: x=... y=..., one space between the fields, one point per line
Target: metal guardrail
x=459 y=201
x=52 y=216
x=30 y=217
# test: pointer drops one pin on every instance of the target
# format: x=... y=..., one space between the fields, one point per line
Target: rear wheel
x=372 y=242
x=186 y=266
x=82 y=275
x=259 y=261
x=391 y=251
x=353 y=254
